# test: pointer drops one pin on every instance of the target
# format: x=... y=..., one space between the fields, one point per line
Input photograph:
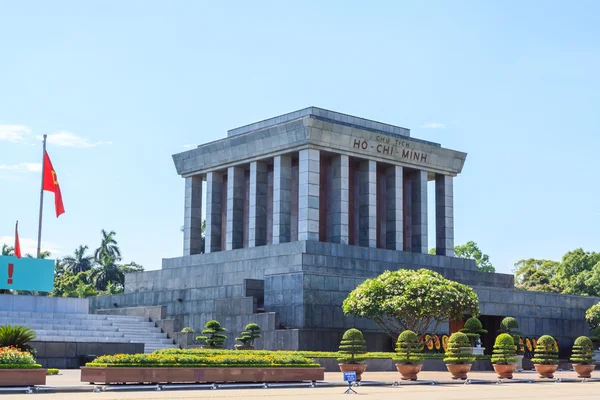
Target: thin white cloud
x=433 y=125
x=69 y=139
x=188 y=146
x=22 y=167
x=29 y=246
x=14 y=133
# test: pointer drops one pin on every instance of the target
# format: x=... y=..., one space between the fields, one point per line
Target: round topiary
x=408 y=349
x=582 y=351
x=511 y=326
x=545 y=351
x=504 y=350
x=509 y=323
x=352 y=345
x=459 y=349
x=473 y=329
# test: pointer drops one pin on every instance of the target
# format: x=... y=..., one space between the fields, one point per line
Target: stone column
x=308 y=195
x=444 y=215
x=214 y=190
x=234 y=238
x=192 y=221
x=394 y=224
x=340 y=165
x=367 y=212
x=282 y=205
x=257 y=207
x=419 y=212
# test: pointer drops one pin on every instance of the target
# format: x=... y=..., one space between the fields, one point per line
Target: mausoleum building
x=303 y=207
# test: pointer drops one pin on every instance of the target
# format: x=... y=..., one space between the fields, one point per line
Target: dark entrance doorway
x=492 y=324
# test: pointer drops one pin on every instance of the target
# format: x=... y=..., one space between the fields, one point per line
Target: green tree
x=79 y=262
x=8 y=250
x=415 y=300
x=471 y=250
x=536 y=275
x=215 y=338
x=579 y=273
x=108 y=246
x=74 y=285
x=106 y=271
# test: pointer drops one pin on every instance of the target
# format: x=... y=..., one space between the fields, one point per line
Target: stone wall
x=68 y=354
x=64 y=305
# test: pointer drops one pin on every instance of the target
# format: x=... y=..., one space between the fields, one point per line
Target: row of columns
x=308 y=206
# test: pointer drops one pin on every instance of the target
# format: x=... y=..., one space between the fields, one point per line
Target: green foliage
x=511 y=326
x=473 y=329
x=582 y=351
x=249 y=335
x=595 y=336
x=17 y=336
x=592 y=316
x=52 y=371
x=536 y=275
x=471 y=250
x=204 y=360
x=413 y=300
x=187 y=329
x=7 y=250
x=408 y=349
x=15 y=357
x=504 y=350
x=352 y=346
x=459 y=350
x=546 y=351
x=215 y=338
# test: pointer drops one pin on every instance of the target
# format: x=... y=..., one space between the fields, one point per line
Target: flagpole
x=39 y=243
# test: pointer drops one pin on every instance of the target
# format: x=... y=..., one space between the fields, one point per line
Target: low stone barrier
x=22 y=377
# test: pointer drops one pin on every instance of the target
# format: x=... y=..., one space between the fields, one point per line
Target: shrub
x=408 y=349
x=249 y=335
x=511 y=326
x=582 y=351
x=206 y=360
x=545 y=351
x=215 y=338
x=187 y=329
x=459 y=350
x=352 y=346
x=17 y=336
x=592 y=316
x=11 y=357
x=504 y=350
x=473 y=329
x=52 y=371
x=595 y=336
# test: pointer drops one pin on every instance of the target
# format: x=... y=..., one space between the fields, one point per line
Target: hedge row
x=20 y=366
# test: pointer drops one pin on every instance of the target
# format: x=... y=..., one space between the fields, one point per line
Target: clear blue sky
x=122 y=85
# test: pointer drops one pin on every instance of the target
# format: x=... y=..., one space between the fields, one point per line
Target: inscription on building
x=388 y=146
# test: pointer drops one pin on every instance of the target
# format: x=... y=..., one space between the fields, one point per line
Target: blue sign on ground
x=350 y=376
x=26 y=274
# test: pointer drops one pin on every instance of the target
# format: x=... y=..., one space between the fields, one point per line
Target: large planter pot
x=505 y=371
x=358 y=368
x=409 y=371
x=546 y=370
x=22 y=377
x=519 y=358
x=584 y=370
x=459 y=371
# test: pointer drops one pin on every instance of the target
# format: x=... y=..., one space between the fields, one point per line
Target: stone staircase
x=71 y=327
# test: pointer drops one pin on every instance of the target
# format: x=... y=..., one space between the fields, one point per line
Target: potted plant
x=583 y=362
x=215 y=338
x=511 y=326
x=545 y=359
x=409 y=358
x=503 y=357
x=248 y=336
x=351 y=347
x=458 y=356
x=474 y=329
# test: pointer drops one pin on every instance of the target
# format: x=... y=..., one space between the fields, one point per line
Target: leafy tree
x=411 y=300
x=130 y=268
x=74 y=285
x=579 y=273
x=471 y=250
x=215 y=338
x=108 y=246
x=536 y=275
x=106 y=271
x=79 y=262
x=8 y=250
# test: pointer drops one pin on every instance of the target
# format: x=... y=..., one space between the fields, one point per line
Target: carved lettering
x=390 y=147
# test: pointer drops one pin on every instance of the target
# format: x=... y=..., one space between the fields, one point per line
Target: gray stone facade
x=302 y=208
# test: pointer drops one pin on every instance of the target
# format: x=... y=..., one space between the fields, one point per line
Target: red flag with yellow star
x=51 y=185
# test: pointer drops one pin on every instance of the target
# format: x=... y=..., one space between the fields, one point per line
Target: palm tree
x=108 y=246
x=8 y=250
x=43 y=255
x=106 y=271
x=80 y=262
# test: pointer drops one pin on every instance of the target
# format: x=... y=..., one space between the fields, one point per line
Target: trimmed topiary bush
x=473 y=329
x=408 y=349
x=352 y=346
x=504 y=350
x=187 y=329
x=511 y=326
x=546 y=351
x=582 y=351
x=459 y=350
x=215 y=338
x=248 y=336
